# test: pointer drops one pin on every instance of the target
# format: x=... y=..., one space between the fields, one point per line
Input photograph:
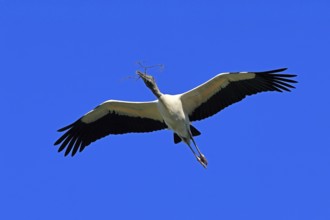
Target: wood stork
x=175 y=112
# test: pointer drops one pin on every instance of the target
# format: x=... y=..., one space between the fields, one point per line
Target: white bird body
x=170 y=107
x=175 y=112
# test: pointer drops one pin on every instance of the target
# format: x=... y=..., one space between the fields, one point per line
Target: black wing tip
x=69 y=126
x=67 y=153
x=274 y=70
x=279 y=82
x=60 y=150
x=283 y=75
x=65 y=128
x=70 y=152
x=279 y=69
x=69 y=138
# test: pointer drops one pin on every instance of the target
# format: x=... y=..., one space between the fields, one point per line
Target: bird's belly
x=174 y=118
x=173 y=122
x=178 y=126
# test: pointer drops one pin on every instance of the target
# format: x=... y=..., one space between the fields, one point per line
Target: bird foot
x=202 y=160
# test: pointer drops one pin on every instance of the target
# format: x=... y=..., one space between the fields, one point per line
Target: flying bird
x=174 y=112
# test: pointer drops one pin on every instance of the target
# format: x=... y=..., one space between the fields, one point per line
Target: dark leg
x=202 y=159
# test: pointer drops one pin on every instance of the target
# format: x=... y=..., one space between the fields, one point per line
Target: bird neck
x=155 y=90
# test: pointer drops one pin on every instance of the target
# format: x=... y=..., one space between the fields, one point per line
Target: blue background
x=268 y=155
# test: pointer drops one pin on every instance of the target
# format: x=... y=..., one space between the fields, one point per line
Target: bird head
x=150 y=83
x=148 y=80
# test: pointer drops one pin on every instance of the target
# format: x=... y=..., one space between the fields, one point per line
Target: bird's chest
x=172 y=112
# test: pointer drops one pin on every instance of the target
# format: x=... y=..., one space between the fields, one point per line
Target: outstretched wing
x=227 y=88
x=111 y=117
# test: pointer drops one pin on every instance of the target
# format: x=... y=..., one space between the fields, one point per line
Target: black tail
x=193 y=130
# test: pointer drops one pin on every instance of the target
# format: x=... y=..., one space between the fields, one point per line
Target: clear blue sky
x=269 y=155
